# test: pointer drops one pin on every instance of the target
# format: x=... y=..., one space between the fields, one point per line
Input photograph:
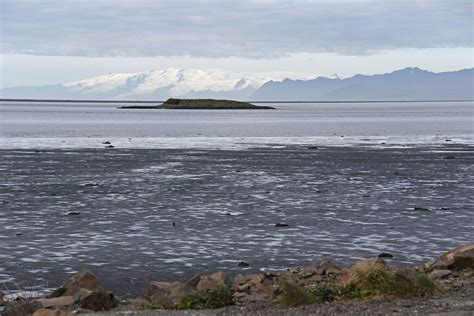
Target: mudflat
x=135 y=215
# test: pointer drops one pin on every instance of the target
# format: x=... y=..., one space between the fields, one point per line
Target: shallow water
x=112 y=211
x=27 y=125
x=67 y=203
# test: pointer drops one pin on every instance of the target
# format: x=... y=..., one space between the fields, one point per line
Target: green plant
x=294 y=295
x=373 y=281
x=219 y=297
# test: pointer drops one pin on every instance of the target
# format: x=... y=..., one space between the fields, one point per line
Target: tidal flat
x=136 y=215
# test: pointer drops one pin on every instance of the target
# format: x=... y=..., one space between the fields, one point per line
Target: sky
x=56 y=41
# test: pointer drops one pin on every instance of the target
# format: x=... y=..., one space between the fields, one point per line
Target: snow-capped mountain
x=156 y=85
x=403 y=84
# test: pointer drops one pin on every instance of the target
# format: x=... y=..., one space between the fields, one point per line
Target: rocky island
x=202 y=104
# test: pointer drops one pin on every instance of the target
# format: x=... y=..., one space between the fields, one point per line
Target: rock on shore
x=84 y=293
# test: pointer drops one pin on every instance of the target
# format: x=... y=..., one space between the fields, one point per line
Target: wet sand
x=111 y=211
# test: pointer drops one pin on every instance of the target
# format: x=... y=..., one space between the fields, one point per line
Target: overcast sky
x=47 y=41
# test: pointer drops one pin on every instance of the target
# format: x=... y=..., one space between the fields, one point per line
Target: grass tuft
x=373 y=281
x=294 y=295
x=207 y=299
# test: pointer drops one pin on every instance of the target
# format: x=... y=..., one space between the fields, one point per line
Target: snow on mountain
x=178 y=82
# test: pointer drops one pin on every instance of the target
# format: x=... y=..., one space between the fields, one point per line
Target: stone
x=193 y=281
x=53 y=312
x=81 y=280
x=459 y=258
x=327 y=267
x=166 y=293
x=99 y=301
x=441 y=274
x=21 y=308
x=138 y=301
x=385 y=255
x=421 y=209
x=254 y=288
x=243 y=264
x=213 y=281
x=57 y=301
x=281 y=225
x=45 y=312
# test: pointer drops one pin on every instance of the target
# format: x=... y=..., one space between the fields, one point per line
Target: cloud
x=220 y=28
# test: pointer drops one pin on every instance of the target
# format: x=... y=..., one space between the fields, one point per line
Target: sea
x=88 y=125
x=137 y=195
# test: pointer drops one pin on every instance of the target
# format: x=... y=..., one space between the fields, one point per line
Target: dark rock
x=422 y=209
x=106 y=143
x=449 y=157
x=281 y=225
x=312 y=147
x=385 y=255
x=444 y=208
x=99 y=301
x=92 y=184
x=243 y=264
x=109 y=146
x=73 y=213
x=19 y=234
x=448 y=140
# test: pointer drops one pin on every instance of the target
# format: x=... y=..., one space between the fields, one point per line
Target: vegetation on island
x=209 y=104
x=199 y=104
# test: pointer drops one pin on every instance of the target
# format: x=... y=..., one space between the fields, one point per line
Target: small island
x=201 y=104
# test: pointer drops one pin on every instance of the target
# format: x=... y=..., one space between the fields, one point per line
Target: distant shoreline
x=261 y=102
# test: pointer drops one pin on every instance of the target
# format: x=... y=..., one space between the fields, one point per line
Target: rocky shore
x=441 y=287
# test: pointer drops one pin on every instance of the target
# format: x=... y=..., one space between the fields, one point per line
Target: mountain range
x=404 y=84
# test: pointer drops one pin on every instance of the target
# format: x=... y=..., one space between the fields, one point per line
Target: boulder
x=99 y=301
x=56 y=302
x=21 y=308
x=213 y=281
x=327 y=267
x=441 y=274
x=166 y=293
x=45 y=312
x=459 y=258
x=81 y=280
x=53 y=312
x=254 y=287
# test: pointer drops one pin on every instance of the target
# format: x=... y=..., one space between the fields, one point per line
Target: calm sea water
x=30 y=125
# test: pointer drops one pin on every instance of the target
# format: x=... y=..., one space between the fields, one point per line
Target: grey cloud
x=214 y=28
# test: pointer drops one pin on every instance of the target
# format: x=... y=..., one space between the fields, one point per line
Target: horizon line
x=265 y=101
